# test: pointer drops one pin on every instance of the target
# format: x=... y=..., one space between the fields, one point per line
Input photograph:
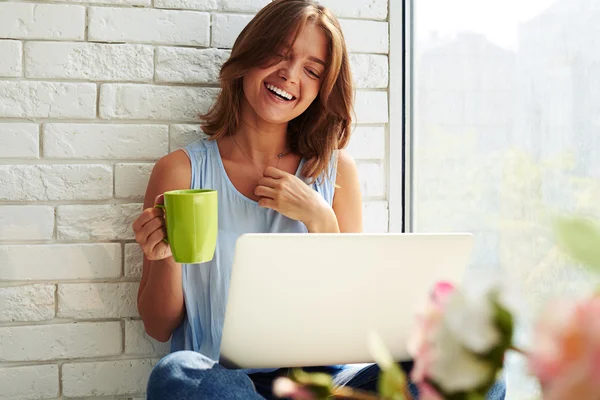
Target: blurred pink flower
x=426 y=392
x=285 y=387
x=566 y=351
x=455 y=335
x=441 y=292
x=420 y=345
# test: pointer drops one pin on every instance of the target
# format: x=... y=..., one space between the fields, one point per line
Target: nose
x=290 y=71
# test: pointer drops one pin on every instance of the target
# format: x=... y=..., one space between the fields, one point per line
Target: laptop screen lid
x=312 y=299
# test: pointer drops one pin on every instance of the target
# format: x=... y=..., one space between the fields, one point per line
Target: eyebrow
x=317 y=60
x=311 y=58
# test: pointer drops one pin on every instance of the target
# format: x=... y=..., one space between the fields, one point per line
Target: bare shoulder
x=347 y=200
x=171 y=172
x=347 y=172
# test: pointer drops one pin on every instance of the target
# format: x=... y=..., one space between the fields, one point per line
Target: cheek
x=251 y=82
x=311 y=91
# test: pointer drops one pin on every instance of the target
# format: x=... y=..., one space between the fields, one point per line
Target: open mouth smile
x=280 y=93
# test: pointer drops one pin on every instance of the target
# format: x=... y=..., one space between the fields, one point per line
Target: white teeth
x=280 y=92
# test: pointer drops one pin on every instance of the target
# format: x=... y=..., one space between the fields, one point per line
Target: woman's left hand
x=290 y=196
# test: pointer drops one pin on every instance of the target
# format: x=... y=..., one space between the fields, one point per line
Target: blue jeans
x=186 y=375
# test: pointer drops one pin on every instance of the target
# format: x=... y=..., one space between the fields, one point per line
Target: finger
x=153 y=225
x=268 y=182
x=272 y=172
x=154 y=239
x=264 y=191
x=265 y=202
x=152 y=213
x=145 y=216
x=160 y=199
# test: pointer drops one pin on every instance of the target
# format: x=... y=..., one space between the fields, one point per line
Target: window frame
x=400 y=117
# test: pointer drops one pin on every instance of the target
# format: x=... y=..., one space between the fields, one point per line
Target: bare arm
x=160 y=296
x=347 y=200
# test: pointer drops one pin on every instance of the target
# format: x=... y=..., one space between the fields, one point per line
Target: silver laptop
x=304 y=300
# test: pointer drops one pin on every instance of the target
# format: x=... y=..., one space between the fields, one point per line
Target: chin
x=275 y=119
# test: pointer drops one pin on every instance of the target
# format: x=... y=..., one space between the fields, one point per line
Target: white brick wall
x=182 y=103
x=97 y=300
x=92 y=93
x=104 y=141
x=106 y=378
x=41 y=21
x=58 y=341
x=26 y=222
x=89 y=61
x=11 y=64
x=60 y=261
x=19 y=140
x=30 y=382
x=30 y=99
x=149 y=26
x=27 y=303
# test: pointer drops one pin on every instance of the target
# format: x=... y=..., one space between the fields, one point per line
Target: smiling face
x=280 y=92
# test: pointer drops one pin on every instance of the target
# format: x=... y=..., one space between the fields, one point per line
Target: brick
x=27 y=303
x=89 y=61
x=26 y=222
x=97 y=300
x=60 y=341
x=10 y=63
x=19 y=140
x=105 y=141
x=106 y=378
x=96 y=222
x=155 y=102
x=31 y=382
x=371 y=9
x=200 y=5
x=27 y=99
x=55 y=182
x=131 y=180
x=375 y=217
x=369 y=70
x=366 y=36
x=111 y=2
x=185 y=65
x=226 y=28
x=372 y=179
x=367 y=143
x=146 y=25
x=134 y=258
x=137 y=342
x=60 y=261
x=184 y=134
x=252 y=6
x=41 y=21
x=371 y=107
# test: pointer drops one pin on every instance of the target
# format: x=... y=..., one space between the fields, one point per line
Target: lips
x=279 y=93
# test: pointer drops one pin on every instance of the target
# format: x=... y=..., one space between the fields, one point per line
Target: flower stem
x=345 y=392
x=517 y=349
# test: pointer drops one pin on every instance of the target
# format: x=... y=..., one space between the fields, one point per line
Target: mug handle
x=162 y=207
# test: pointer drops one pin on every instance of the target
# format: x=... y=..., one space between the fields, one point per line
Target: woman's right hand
x=149 y=229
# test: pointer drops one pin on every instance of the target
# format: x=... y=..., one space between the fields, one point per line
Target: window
x=506 y=132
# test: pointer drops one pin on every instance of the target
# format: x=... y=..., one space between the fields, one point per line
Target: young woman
x=274 y=154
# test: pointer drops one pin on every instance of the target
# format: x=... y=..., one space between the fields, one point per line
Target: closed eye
x=312 y=73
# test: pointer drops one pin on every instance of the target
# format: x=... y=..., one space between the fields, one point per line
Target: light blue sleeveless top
x=205 y=286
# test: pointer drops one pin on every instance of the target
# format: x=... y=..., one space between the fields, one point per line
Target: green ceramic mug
x=191 y=218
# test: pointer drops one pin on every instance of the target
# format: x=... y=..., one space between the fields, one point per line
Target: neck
x=260 y=139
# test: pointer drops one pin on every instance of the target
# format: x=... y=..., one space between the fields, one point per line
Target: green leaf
x=392 y=383
x=320 y=384
x=580 y=238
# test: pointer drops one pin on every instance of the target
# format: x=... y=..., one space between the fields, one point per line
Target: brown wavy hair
x=325 y=126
